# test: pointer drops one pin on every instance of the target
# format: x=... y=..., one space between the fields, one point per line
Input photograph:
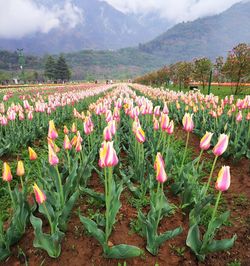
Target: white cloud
x=174 y=10
x=22 y=17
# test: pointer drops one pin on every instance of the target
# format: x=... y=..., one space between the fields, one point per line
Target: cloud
x=19 y=18
x=174 y=10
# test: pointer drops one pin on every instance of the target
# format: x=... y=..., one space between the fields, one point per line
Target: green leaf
x=220 y=245
x=4 y=253
x=50 y=243
x=98 y=196
x=193 y=239
x=123 y=251
x=167 y=235
x=63 y=218
x=93 y=230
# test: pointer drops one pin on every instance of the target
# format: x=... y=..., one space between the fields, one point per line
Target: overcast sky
x=174 y=10
x=22 y=17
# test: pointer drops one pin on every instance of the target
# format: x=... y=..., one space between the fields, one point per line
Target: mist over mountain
x=96 y=25
x=210 y=36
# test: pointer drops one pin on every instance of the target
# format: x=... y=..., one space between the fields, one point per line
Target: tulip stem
x=68 y=159
x=210 y=176
x=11 y=196
x=108 y=188
x=216 y=205
x=49 y=218
x=184 y=155
x=21 y=178
x=60 y=186
x=199 y=159
x=159 y=187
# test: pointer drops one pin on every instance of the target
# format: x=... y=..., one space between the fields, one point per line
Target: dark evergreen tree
x=50 y=68
x=62 y=69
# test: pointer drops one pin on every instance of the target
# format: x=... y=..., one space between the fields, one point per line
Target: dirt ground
x=80 y=249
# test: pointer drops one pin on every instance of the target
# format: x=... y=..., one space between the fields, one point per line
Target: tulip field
x=123 y=174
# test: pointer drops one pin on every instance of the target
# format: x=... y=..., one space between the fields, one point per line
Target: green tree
x=62 y=69
x=218 y=66
x=237 y=65
x=50 y=68
x=202 y=68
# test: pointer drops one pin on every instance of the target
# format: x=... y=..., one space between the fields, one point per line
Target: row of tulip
x=227 y=115
x=27 y=119
x=127 y=123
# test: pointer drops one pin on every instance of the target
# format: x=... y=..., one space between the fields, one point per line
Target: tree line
x=234 y=69
x=57 y=69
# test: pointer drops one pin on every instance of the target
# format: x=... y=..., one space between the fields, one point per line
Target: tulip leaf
x=167 y=235
x=193 y=239
x=50 y=243
x=63 y=218
x=220 y=245
x=123 y=251
x=93 y=230
x=96 y=195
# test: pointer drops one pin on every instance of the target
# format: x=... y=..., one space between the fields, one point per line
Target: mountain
x=210 y=36
x=102 y=27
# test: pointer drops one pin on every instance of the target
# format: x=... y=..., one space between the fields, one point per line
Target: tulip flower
x=39 y=194
x=65 y=130
x=164 y=121
x=170 y=128
x=159 y=166
x=107 y=134
x=73 y=128
x=239 y=116
x=53 y=159
x=140 y=135
x=32 y=154
x=156 y=124
x=223 y=180
x=205 y=141
x=52 y=133
x=108 y=157
x=78 y=146
x=221 y=145
x=187 y=122
x=20 y=168
x=7 y=176
x=66 y=143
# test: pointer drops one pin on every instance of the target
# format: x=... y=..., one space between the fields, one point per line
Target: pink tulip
x=53 y=159
x=107 y=134
x=159 y=166
x=221 y=145
x=239 y=116
x=223 y=180
x=39 y=194
x=52 y=134
x=66 y=143
x=205 y=141
x=170 y=128
x=7 y=176
x=140 y=135
x=108 y=157
x=164 y=121
x=187 y=122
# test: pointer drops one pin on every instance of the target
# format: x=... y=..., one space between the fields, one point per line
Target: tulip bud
x=73 y=128
x=164 y=121
x=52 y=133
x=65 y=130
x=221 y=145
x=223 y=180
x=20 y=168
x=66 y=143
x=187 y=122
x=159 y=166
x=7 y=176
x=205 y=141
x=239 y=116
x=39 y=194
x=170 y=128
x=107 y=134
x=32 y=154
x=108 y=155
x=140 y=135
x=53 y=159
